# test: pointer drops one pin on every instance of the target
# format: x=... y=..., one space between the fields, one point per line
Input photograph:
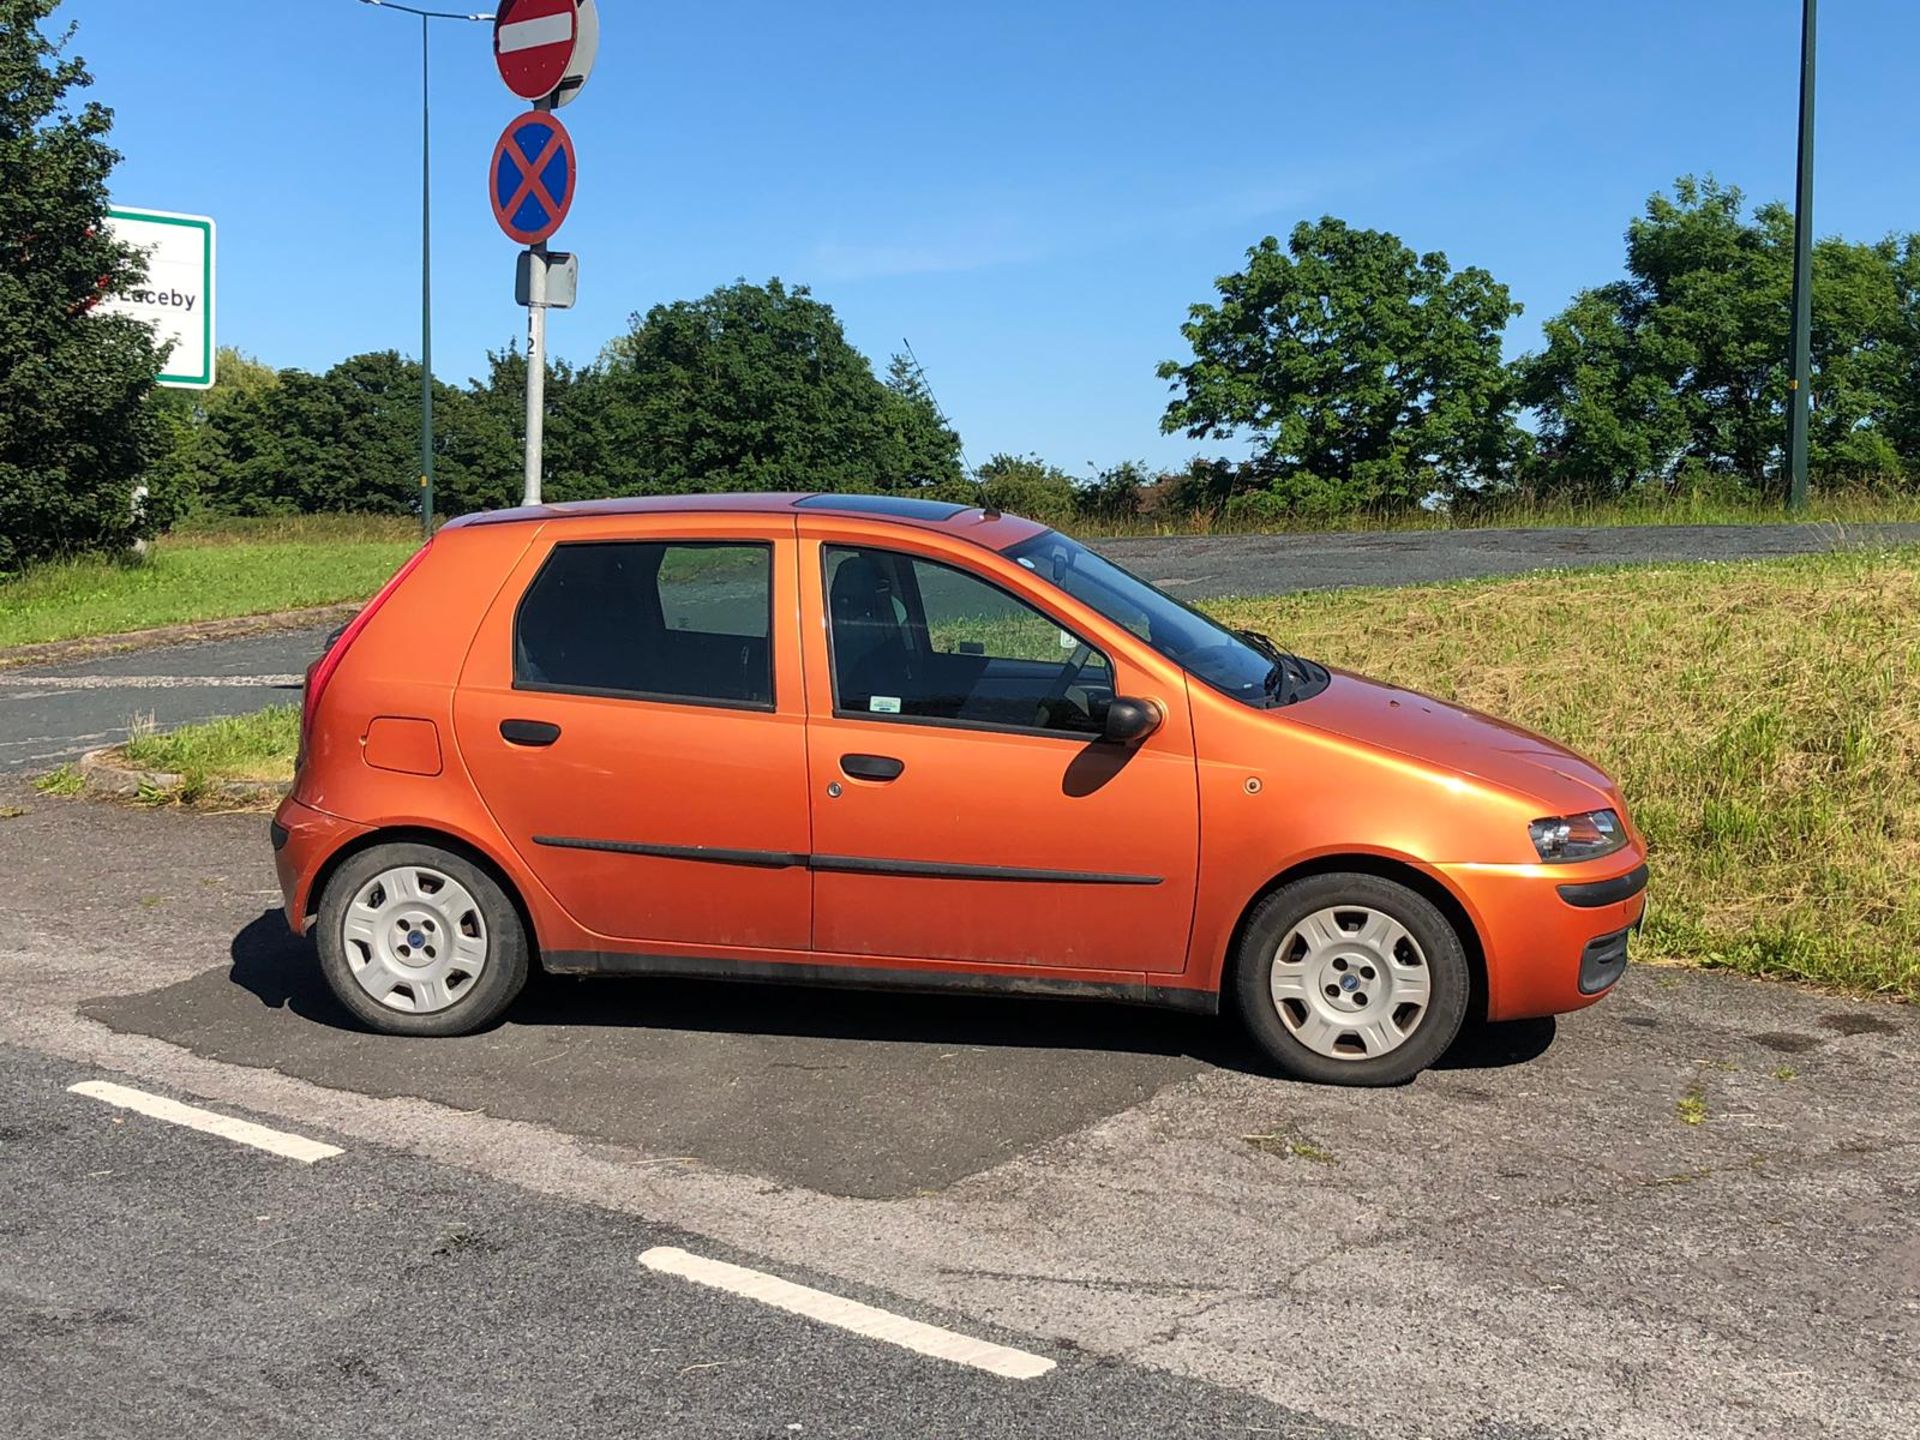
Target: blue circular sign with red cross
x=533 y=174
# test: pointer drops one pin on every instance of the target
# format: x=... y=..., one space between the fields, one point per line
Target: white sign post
x=176 y=298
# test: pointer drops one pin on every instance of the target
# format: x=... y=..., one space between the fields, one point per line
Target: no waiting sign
x=532 y=179
x=533 y=42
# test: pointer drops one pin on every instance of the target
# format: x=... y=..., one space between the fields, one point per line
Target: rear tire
x=416 y=940
x=1351 y=979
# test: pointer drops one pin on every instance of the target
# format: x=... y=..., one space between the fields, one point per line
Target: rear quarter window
x=685 y=621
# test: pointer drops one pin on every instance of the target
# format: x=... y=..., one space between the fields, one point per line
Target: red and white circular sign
x=533 y=41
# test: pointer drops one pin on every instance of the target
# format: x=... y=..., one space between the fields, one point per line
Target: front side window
x=924 y=641
x=1242 y=664
x=665 y=620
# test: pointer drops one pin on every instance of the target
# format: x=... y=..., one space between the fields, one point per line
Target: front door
x=964 y=808
x=631 y=715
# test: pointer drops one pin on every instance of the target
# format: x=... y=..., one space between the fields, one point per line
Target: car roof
x=990 y=528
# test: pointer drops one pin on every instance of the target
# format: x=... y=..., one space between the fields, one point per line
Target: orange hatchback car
x=880 y=741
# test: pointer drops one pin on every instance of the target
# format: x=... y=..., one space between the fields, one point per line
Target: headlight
x=1578 y=837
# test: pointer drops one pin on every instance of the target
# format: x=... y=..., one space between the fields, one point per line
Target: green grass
x=1763 y=719
x=257 y=747
x=67 y=780
x=252 y=569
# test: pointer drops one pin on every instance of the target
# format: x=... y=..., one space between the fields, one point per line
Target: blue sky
x=1032 y=192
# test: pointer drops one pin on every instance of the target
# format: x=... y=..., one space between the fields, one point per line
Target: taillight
x=321 y=670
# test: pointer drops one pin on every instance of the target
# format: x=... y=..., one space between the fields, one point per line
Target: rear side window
x=659 y=620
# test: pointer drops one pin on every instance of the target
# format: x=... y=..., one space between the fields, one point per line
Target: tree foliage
x=754 y=387
x=1676 y=376
x=77 y=432
x=1367 y=376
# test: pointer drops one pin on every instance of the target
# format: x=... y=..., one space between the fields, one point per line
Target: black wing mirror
x=1130 y=721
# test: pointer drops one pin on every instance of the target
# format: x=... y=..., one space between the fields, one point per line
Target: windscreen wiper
x=1288 y=675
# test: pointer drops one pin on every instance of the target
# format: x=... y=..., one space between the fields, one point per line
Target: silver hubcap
x=1350 y=983
x=415 y=939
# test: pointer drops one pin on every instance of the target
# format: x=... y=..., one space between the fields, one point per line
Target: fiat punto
x=881 y=741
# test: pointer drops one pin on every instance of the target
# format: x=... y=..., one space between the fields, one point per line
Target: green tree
x=192 y=470
x=754 y=387
x=1026 y=485
x=480 y=436
x=1366 y=375
x=345 y=440
x=77 y=432
x=1676 y=376
x=1114 y=495
x=1899 y=385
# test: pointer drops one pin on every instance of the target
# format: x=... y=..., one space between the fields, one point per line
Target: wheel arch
x=445 y=840
x=1386 y=867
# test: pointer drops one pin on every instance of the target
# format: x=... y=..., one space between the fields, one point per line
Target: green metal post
x=1800 y=388
x=426 y=298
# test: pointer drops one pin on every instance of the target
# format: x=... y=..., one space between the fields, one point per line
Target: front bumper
x=1554 y=936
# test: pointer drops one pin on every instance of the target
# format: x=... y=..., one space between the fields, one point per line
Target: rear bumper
x=303 y=840
x=1555 y=936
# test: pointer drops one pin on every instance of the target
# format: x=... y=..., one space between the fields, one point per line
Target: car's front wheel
x=416 y=940
x=1351 y=979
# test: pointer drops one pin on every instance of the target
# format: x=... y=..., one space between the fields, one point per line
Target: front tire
x=1351 y=979
x=416 y=940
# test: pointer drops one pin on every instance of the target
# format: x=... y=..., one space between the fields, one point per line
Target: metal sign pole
x=426 y=296
x=543 y=50
x=1800 y=383
x=536 y=369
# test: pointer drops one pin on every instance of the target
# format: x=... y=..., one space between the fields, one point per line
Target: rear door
x=631 y=714
x=964 y=809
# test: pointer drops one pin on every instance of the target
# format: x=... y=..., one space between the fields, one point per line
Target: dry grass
x=1763 y=719
x=1828 y=507
x=205 y=530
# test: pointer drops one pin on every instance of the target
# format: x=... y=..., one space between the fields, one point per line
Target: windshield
x=1228 y=662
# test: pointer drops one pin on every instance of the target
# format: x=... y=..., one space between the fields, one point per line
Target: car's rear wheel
x=1351 y=979
x=416 y=940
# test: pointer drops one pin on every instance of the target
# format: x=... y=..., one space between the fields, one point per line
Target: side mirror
x=1130 y=721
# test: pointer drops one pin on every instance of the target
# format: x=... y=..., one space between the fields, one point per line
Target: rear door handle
x=529 y=732
x=872 y=767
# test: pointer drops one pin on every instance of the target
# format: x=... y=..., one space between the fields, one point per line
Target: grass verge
x=217 y=569
x=205 y=575
x=1763 y=718
x=257 y=747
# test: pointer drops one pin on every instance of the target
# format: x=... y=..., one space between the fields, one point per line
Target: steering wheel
x=1065 y=681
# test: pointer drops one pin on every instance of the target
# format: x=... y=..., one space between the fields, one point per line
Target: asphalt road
x=52 y=713
x=1531 y=1241
x=159 y=1282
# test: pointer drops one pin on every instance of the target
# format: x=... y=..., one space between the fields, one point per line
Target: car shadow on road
x=279 y=968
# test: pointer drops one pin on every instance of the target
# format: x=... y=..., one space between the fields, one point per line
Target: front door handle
x=529 y=732
x=872 y=767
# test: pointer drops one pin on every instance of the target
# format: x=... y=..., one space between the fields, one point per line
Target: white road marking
x=847 y=1314
x=542 y=30
x=45 y=683
x=244 y=1132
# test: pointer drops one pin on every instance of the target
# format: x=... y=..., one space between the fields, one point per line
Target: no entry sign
x=533 y=41
x=532 y=178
